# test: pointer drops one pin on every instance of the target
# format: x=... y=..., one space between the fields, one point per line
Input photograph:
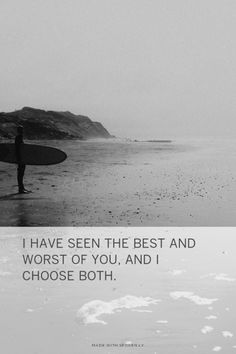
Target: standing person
x=21 y=166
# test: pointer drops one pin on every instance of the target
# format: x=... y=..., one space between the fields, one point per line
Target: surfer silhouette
x=21 y=166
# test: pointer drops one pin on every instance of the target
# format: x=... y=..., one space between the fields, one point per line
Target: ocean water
x=185 y=304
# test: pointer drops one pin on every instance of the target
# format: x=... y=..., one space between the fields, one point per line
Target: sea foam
x=192 y=297
x=91 y=311
x=227 y=334
x=220 y=276
x=207 y=329
x=175 y=272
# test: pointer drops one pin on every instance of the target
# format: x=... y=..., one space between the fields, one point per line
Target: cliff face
x=40 y=124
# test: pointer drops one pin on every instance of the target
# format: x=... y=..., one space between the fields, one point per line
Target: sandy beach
x=119 y=183
x=185 y=304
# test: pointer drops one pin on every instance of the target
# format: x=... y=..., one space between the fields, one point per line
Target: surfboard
x=32 y=154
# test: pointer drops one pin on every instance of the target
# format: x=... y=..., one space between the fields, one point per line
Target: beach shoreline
x=118 y=183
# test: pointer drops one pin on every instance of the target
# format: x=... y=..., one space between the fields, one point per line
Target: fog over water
x=156 y=68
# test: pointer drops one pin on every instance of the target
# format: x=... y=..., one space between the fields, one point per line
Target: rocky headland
x=41 y=124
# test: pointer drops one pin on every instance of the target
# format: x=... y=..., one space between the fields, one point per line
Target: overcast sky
x=151 y=68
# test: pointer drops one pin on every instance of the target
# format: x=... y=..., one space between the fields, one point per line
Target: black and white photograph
x=140 y=96
x=118 y=116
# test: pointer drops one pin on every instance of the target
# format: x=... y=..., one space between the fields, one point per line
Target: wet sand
x=183 y=305
x=115 y=183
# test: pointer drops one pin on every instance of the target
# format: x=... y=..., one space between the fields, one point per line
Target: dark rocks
x=40 y=124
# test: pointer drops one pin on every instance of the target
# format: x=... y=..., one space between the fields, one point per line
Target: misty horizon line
x=138 y=137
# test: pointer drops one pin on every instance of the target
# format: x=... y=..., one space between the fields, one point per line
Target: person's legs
x=20 y=177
